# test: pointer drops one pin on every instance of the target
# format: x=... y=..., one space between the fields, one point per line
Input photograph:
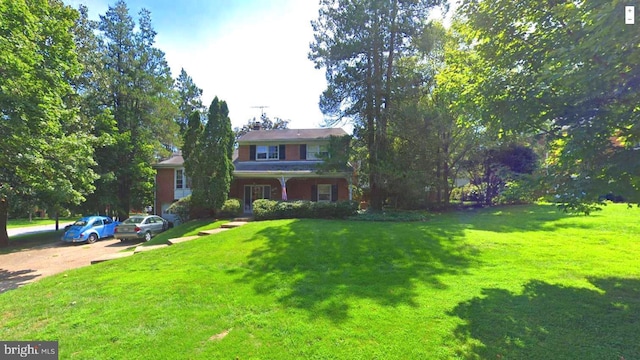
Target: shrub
x=181 y=209
x=264 y=209
x=515 y=193
x=270 y=209
x=231 y=208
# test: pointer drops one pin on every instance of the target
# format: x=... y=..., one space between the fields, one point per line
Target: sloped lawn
x=520 y=282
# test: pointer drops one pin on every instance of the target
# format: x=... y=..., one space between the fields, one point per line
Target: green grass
x=192 y=227
x=18 y=223
x=523 y=282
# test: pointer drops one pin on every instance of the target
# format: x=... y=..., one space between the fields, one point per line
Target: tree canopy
x=46 y=151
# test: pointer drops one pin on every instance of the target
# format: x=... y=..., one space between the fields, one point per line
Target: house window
x=182 y=180
x=317 y=152
x=324 y=192
x=267 y=152
x=179 y=179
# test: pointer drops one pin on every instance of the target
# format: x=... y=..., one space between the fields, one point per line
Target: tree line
x=86 y=108
x=523 y=99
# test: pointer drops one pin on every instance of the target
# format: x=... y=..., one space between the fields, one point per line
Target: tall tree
x=214 y=171
x=43 y=153
x=140 y=95
x=569 y=70
x=189 y=97
x=359 y=42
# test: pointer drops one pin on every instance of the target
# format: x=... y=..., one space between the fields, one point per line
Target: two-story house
x=281 y=164
x=269 y=164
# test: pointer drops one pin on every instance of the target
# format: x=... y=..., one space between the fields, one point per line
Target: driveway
x=22 y=267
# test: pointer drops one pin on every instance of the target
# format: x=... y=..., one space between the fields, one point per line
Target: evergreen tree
x=141 y=98
x=359 y=42
x=189 y=99
x=214 y=171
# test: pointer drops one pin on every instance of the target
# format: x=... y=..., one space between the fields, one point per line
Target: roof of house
x=290 y=135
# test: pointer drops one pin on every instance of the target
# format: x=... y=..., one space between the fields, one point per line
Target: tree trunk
x=4 y=212
x=57 y=221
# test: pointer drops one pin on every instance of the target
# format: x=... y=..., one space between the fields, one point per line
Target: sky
x=249 y=53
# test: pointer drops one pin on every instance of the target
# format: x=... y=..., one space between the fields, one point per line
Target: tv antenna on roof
x=261 y=107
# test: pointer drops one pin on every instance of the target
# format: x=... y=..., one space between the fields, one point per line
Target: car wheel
x=147 y=236
x=92 y=238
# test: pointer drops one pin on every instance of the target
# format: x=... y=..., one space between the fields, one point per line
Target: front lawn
x=523 y=282
x=19 y=223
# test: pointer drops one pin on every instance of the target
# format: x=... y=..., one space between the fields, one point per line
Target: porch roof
x=305 y=168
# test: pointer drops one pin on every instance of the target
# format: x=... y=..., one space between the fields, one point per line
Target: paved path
x=21 y=267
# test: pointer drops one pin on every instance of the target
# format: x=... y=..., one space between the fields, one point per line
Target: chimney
x=256 y=126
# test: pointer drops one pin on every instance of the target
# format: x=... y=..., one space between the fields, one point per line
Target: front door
x=253 y=193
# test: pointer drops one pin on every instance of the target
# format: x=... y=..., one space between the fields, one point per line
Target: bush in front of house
x=231 y=208
x=181 y=209
x=264 y=209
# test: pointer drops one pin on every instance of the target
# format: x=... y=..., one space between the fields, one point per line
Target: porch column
x=283 y=187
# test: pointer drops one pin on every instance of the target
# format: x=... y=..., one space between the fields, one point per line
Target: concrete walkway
x=173 y=241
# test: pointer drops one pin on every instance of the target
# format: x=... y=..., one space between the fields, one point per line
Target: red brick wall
x=164 y=188
x=297 y=188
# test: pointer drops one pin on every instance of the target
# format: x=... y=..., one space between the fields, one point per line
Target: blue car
x=90 y=229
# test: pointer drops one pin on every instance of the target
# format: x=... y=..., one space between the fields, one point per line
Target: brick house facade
x=272 y=164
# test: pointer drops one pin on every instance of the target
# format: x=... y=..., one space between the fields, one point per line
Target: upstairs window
x=317 y=152
x=182 y=181
x=179 y=179
x=267 y=152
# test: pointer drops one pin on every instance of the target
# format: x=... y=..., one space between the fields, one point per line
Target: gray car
x=141 y=227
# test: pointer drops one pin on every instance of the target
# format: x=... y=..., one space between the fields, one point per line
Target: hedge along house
x=269 y=164
x=282 y=164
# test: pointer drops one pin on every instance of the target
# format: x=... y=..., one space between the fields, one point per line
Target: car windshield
x=134 y=220
x=80 y=223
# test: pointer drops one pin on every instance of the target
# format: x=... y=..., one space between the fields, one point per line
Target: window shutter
x=303 y=151
x=281 y=152
x=314 y=193
x=252 y=152
x=334 y=193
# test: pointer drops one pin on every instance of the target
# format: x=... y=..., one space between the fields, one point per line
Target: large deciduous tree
x=213 y=170
x=45 y=151
x=569 y=70
x=358 y=43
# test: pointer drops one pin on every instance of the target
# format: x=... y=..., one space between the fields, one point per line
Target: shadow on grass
x=10 y=280
x=553 y=322
x=516 y=218
x=319 y=265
